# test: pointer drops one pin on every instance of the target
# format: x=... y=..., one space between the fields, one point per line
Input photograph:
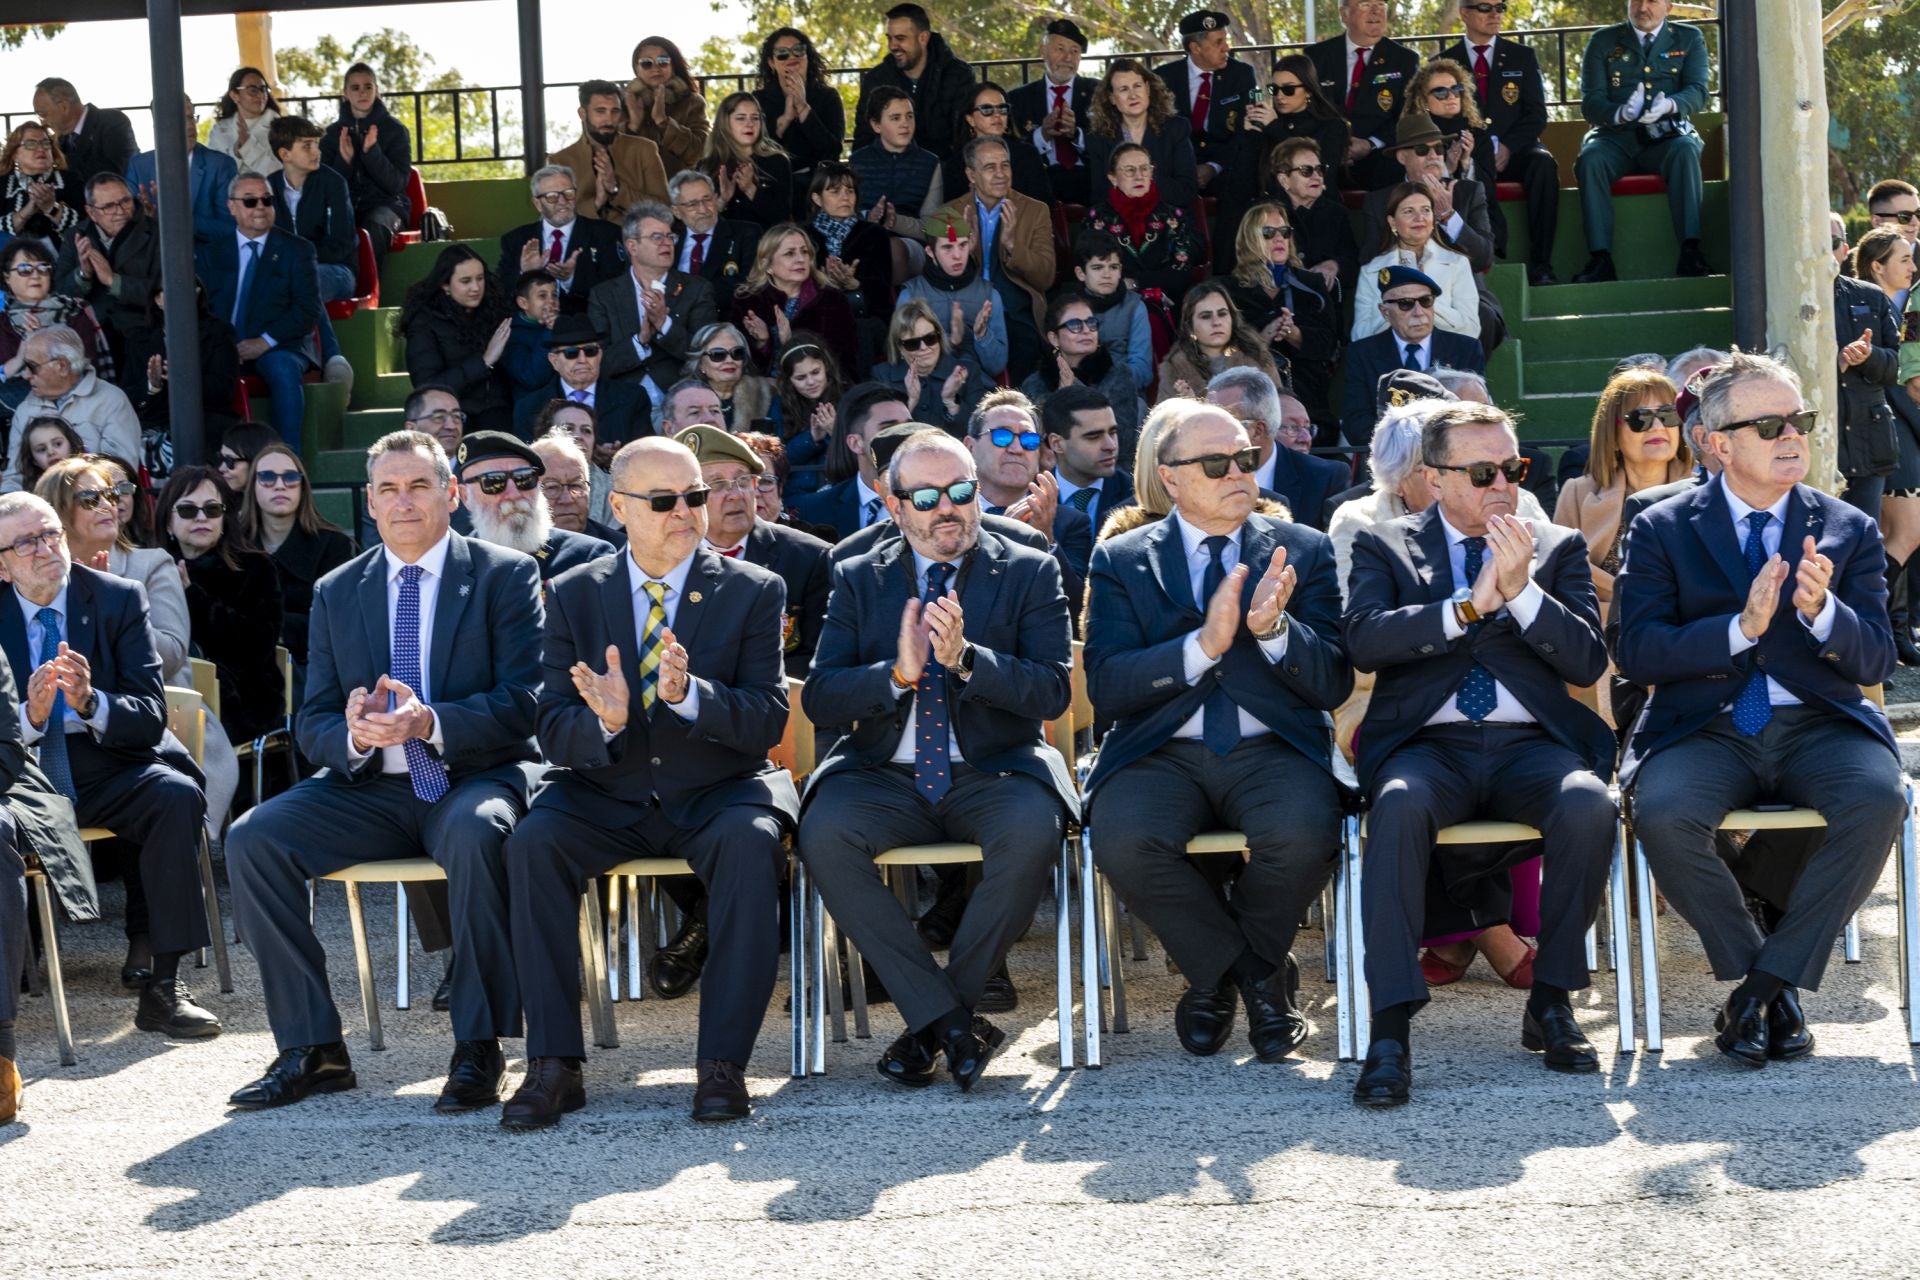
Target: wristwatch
x=1279 y=629
x=964 y=668
x=1463 y=610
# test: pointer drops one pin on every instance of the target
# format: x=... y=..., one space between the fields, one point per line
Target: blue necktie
x=1753 y=708
x=1478 y=695
x=1220 y=719
x=871 y=511
x=1412 y=360
x=246 y=280
x=53 y=747
x=429 y=775
x=932 y=760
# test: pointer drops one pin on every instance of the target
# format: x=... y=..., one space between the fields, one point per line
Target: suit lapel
x=373 y=614
x=981 y=576
x=897 y=576
x=456 y=585
x=13 y=635
x=82 y=620
x=1713 y=523
x=1803 y=521
x=1427 y=548
x=616 y=603
x=702 y=579
x=1257 y=541
x=1168 y=552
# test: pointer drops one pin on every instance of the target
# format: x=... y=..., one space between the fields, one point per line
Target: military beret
x=711 y=444
x=945 y=224
x=1066 y=27
x=1395 y=276
x=1201 y=21
x=478 y=446
x=1401 y=386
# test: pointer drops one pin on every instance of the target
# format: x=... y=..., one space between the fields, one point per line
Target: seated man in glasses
x=576 y=352
x=1410 y=342
x=1755 y=608
x=946 y=651
x=500 y=491
x=1213 y=648
x=1476 y=622
x=575 y=253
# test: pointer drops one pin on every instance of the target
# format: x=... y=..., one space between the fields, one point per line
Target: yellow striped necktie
x=653 y=644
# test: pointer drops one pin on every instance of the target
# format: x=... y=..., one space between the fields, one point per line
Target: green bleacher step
x=1560 y=377
x=1668 y=332
x=363 y=426
x=1626 y=297
x=1555 y=417
x=339 y=466
x=413 y=264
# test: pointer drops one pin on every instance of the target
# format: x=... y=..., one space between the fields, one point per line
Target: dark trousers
x=1538 y=173
x=325 y=824
x=381 y=224
x=856 y=815
x=162 y=811
x=1864 y=494
x=13 y=917
x=1458 y=773
x=1023 y=335
x=1286 y=804
x=1071 y=186
x=738 y=857
x=1805 y=756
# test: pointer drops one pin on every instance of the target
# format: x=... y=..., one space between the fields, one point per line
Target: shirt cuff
x=268 y=339
x=1737 y=642
x=1525 y=607
x=1376 y=143
x=1453 y=224
x=1194 y=659
x=354 y=753
x=688 y=707
x=641 y=349
x=434 y=739
x=97 y=722
x=1822 y=624
x=27 y=731
x=1275 y=649
x=666 y=327
x=1450 y=622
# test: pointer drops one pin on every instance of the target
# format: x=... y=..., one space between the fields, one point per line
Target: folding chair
x=56 y=986
x=280 y=736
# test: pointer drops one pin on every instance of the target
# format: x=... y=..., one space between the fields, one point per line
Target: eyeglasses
x=88 y=499
x=114 y=206
x=1078 y=324
x=250 y=89
x=1774 y=425
x=1214 y=465
x=558 y=489
x=993 y=109
x=35 y=144
x=1135 y=171
x=28 y=270
x=33 y=543
x=739 y=484
x=1268 y=233
x=590 y=350
x=1641 y=420
x=648 y=64
x=562 y=196
x=1903 y=217
x=1480 y=474
x=1500 y=6
x=656 y=237
x=920 y=342
x=718 y=354
x=787 y=53
x=34 y=366
x=441 y=417
x=1003 y=438
x=1288 y=90
x=1409 y=304
x=251 y=202
x=278 y=479
x=228 y=461
x=125 y=489
x=959 y=493
x=208 y=510
x=665 y=502
x=495 y=482
x=1425 y=149
x=1445 y=91
x=1308 y=170
x=704 y=202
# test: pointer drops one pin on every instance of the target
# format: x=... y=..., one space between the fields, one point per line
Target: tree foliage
x=12 y=37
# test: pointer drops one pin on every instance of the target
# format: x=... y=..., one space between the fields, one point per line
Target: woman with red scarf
x=1160 y=244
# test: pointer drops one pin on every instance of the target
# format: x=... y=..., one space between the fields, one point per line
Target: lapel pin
x=694 y=597
x=464 y=589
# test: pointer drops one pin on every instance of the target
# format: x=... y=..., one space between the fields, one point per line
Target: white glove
x=1661 y=106
x=1630 y=112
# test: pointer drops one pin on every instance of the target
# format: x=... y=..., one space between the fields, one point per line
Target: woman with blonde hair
x=1635 y=443
x=752 y=174
x=786 y=290
x=1292 y=308
x=939 y=386
x=1444 y=90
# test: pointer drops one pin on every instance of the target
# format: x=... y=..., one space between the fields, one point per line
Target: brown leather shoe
x=10 y=1091
x=721 y=1094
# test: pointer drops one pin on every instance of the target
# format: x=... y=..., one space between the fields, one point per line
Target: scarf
x=945 y=283
x=800 y=301
x=833 y=230
x=1093 y=370
x=1102 y=304
x=55 y=308
x=1135 y=210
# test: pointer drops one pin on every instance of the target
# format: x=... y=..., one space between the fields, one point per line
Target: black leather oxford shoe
x=1599 y=269
x=1742 y=1031
x=474 y=1077
x=297 y=1072
x=1386 y=1077
x=675 y=967
x=1787 y=1034
x=1274 y=1025
x=721 y=1094
x=167 y=1006
x=1556 y=1035
x=909 y=1061
x=967 y=1057
x=1203 y=1019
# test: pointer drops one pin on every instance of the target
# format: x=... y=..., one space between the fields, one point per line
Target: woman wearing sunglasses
x=456 y=323
x=950 y=287
x=752 y=174
x=1884 y=259
x=279 y=517
x=939 y=387
x=1076 y=357
x=786 y=291
x=238 y=445
x=1291 y=107
x=241 y=120
x=132 y=503
x=144 y=376
x=804 y=113
x=1410 y=242
x=1444 y=90
x=1286 y=305
x=1160 y=244
x=664 y=105
x=26 y=273
x=1211 y=338
x=718 y=358
x=984 y=113
x=45 y=442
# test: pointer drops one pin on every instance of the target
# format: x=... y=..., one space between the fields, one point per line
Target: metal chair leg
x=817 y=966
x=830 y=975
x=1117 y=964
x=1649 y=946
x=1327 y=929
x=797 y=964
x=1341 y=943
x=1355 y=922
x=1850 y=940
x=56 y=981
x=612 y=940
x=403 y=949
x=1909 y=912
x=1619 y=942
x=636 y=966
x=1092 y=1003
x=363 y=963
x=216 y=930
x=857 y=987
x=593 y=958
x=1063 y=951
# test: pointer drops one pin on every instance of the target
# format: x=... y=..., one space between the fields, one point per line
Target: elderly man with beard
x=500 y=489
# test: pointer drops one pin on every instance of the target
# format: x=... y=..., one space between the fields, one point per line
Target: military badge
x=731 y=270
x=1399 y=396
x=1386 y=274
x=1233 y=119
x=1510 y=92
x=1385 y=99
x=789 y=637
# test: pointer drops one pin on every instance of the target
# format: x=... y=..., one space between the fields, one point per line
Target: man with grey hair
x=719 y=250
x=262 y=280
x=61 y=383
x=1303 y=481
x=112 y=262
x=1755 y=609
x=576 y=253
x=651 y=310
x=423 y=668
x=93 y=139
x=689 y=403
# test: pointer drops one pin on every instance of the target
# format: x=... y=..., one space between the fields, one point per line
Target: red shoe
x=1521 y=976
x=1439 y=971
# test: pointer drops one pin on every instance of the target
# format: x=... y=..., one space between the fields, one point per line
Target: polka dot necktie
x=1478 y=694
x=53 y=747
x=653 y=646
x=1083 y=498
x=932 y=760
x=1220 y=719
x=428 y=773
x=1753 y=708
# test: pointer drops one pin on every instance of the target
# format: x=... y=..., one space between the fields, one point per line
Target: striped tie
x=653 y=645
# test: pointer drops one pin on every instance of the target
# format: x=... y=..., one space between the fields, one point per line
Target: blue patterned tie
x=1220 y=719
x=932 y=759
x=871 y=511
x=53 y=747
x=1478 y=695
x=429 y=775
x=1753 y=708
x=245 y=283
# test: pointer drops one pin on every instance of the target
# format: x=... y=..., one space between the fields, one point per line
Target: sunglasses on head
x=1641 y=420
x=718 y=354
x=661 y=503
x=252 y=202
x=1214 y=465
x=1423 y=303
x=1268 y=233
x=1774 y=425
x=525 y=479
x=1308 y=170
x=589 y=350
x=209 y=510
x=1445 y=91
x=275 y=479
x=994 y=109
x=1480 y=474
x=920 y=342
x=927 y=497
x=1003 y=438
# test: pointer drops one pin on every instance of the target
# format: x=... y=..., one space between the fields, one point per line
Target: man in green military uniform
x=1640 y=82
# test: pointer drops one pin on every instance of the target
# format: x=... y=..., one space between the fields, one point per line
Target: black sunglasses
x=291 y=479
x=1077 y=324
x=1500 y=6
x=1445 y=91
x=1774 y=425
x=252 y=202
x=717 y=354
x=88 y=499
x=920 y=343
x=211 y=510
x=1288 y=90
x=1268 y=233
x=994 y=109
x=1003 y=437
x=787 y=53
x=228 y=461
x=1903 y=217
x=524 y=479
x=927 y=497
x=1425 y=148
x=1214 y=465
x=665 y=502
x=590 y=350
x=1408 y=304
x=1642 y=420
x=1308 y=170
x=1480 y=474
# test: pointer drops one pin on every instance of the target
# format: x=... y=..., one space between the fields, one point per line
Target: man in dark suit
x=113 y=261
x=664 y=693
x=1084 y=439
x=208 y=173
x=1476 y=622
x=1755 y=608
x=93 y=139
x=1303 y=481
x=1366 y=75
x=881 y=447
x=579 y=357
x=718 y=250
x=1004 y=436
x=423 y=667
x=1460 y=217
x=1209 y=88
x=1213 y=648
x=1410 y=342
x=97 y=711
x=262 y=280
x=858 y=501
x=578 y=253
x=1513 y=98
x=650 y=312
x=1052 y=112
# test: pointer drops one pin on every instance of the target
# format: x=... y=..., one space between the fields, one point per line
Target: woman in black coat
x=279 y=517
x=985 y=113
x=803 y=112
x=1133 y=104
x=1293 y=107
x=144 y=376
x=751 y=174
x=456 y=324
x=854 y=254
x=375 y=154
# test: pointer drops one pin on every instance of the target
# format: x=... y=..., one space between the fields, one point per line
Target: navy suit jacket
x=729 y=623
x=864 y=540
x=483 y=667
x=283 y=296
x=1232 y=84
x=802 y=562
x=208 y=173
x=566 y=550
x=622 y=410
x=1687 y=578
x=1398 y=599
x=1305 y=483
x=1369 y=359
x=1016 y=620
x=323 y=218
x=1140 y=609
x=107 y=624
x=602 y=257
x=105 y=146
x=1383 y=85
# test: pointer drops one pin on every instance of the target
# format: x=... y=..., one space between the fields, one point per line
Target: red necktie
x=553 y=250
x=733 y=553
x=1062 y=150
x=1359 y=69
x=1480 y=73
x=699 y=253
x=1203 y=102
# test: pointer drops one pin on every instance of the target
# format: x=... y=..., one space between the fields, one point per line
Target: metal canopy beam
x=38 y=11
x=175 y=210
x=533 y=94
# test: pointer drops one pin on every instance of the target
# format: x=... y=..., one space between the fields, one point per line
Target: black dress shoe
x=999 y=995
x=1203 y=1019
x=1787 y=1034
x=1692 y=262
x=136 y=971
x=1742 y=1031
x=1598 y=270
x=167 y=1006
x=1903 y=645
x=474 y=1077
x=909 y=1061
x=721 y=1094
x=1386 y=1076
x=1541 y=276
x=553 y=1087
x=675 y=967
x=942 y=919
x=297 y=1072
x=443 y=994
x=1557 y=1035
x=988 y=1034
x=967 y=1057
x=1274 y=1025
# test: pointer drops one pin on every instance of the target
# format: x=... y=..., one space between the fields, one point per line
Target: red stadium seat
x=1354 y=199
x=1509 y=191
x=241 y=404
x=416 y=210
x=366 y=284
x=1640 y=184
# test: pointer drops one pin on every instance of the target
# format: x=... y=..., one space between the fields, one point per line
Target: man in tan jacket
x=1013 y=239
x=614 y=169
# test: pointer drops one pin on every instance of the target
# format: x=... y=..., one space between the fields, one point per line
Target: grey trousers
x=325 y=824
x=1804 y=757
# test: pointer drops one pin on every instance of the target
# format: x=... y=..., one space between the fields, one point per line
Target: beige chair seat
x=930 y=855
x=1772 y=820
x=393 y=871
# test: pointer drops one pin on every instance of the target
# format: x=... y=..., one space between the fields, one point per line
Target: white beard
x=524 y=524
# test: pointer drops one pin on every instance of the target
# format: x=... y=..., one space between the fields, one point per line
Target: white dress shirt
x=903 y=751
x=676 y=583
x=36 y=636
x=1822 y=625
x=1523 y=609
x=1041 y=142
x=865 y=495
x=289 y=193
x=1068 y=488
x=1263 y=474
x=656 y=394
x=547 y=230
x=1193 y=657
x=433 y=568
